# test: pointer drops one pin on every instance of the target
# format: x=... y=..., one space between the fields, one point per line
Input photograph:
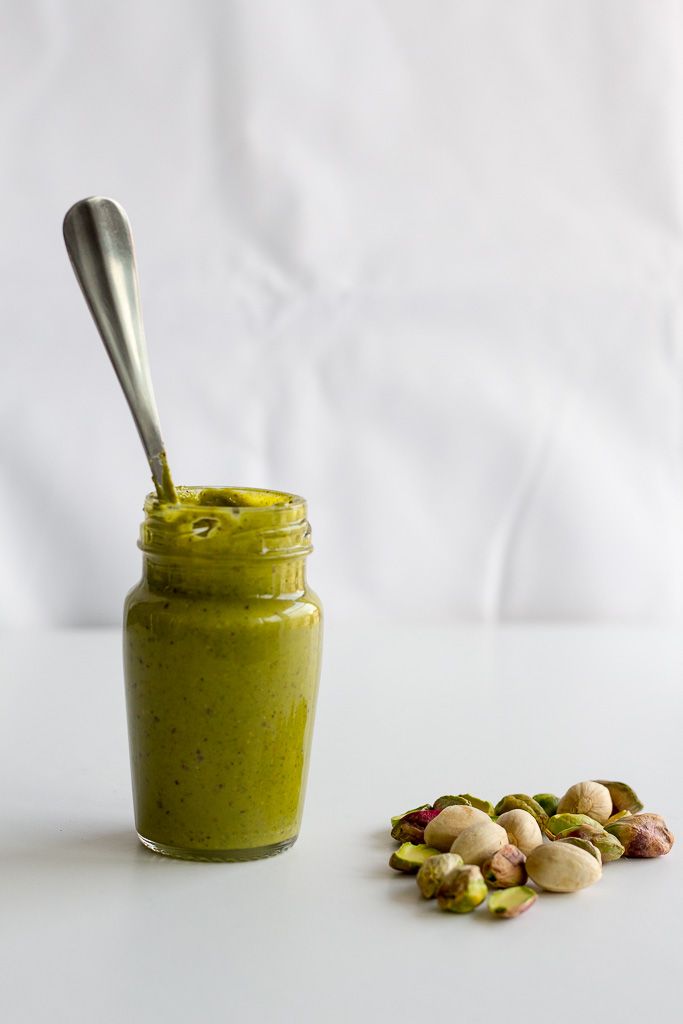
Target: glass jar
x=222 y=643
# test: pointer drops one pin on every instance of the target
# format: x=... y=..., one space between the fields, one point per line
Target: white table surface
x=94 y=927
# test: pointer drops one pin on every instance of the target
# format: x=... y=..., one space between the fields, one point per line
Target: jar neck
x=224 y=541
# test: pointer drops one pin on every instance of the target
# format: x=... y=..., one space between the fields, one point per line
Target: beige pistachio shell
x=522 y=830
x=561 y=867
x=591 y=798
x=479 y=842
x=447 y=826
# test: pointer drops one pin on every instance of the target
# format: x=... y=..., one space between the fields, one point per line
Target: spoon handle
x=100 y=246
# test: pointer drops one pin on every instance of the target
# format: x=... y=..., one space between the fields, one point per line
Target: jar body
x=222 y=659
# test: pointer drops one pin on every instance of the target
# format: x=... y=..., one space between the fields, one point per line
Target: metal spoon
x=100 y=246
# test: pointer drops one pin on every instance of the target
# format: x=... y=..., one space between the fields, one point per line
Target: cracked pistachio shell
x=522 y=829
x=463 y=891
x=479 y=842
x=548 y=802
x=505 y=868
x=443 y=830
x=561 y=822
x=410 y=857
x=643 y=835
x=450 y=801
x=561 y=867
x=583 y=844
x=607 y=845
x=436 y=871
x=591 y=798
x=522 y=802
x=623 y=797
x=512 y=902
x=397 y=817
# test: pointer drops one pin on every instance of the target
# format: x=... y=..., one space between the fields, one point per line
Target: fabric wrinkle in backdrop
x=420 y=263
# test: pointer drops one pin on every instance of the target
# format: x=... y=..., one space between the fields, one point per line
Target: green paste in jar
x=222 y=653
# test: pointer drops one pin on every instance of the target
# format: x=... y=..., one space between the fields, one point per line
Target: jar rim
x=262 y=499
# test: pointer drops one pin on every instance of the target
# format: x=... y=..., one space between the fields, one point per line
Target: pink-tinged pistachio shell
x=643 y=835
x=623 y=797
x=397 y=817
x=463 y=891
x=410 y=828
x=410 y=857
x=505 y=868
x=507 y=903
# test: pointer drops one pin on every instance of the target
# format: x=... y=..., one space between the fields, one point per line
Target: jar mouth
x=209 y=499
x=226 y=523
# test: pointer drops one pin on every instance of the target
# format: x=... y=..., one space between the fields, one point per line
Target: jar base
x=217 y=856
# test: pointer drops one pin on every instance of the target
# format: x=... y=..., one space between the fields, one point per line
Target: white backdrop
x=421 y=262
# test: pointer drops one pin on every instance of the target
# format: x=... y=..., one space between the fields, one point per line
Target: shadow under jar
x=222 y=641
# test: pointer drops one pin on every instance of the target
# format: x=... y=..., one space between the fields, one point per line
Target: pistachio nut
x=607 y=845
x=482 y=805
x=591 y=798
x=397 y=817
x=561 y=867
x=445 y=828
x=463 y=891
x=522 y=829
x=548 y=801
x=410 y=828
x=450 y=801
x=480 y=841
x=561 y=822
x=522 y=802
x=582 y=844
x=505 y=868
x=618 y=816
x=643 y=835
x=435 y=871
x=512 y=902
x=410 y=857
x=623 y=797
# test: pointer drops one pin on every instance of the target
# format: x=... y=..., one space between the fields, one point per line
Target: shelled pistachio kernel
x=463 y=891
x=548 y=801
x=397 y=817
x=507 y=903
x=561 y=867
x=643 y=835
x=607 y=845
x=624 y=798
x=479 y=842
x=591 y=798
x=443 y=830
x=410 y=857
x=411 y=827
x=505 y=869
x=435 y=872
x=561 y=822
x=524 y=802
x=522 y=829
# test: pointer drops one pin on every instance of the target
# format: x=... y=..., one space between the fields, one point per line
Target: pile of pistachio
x=461 y=847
